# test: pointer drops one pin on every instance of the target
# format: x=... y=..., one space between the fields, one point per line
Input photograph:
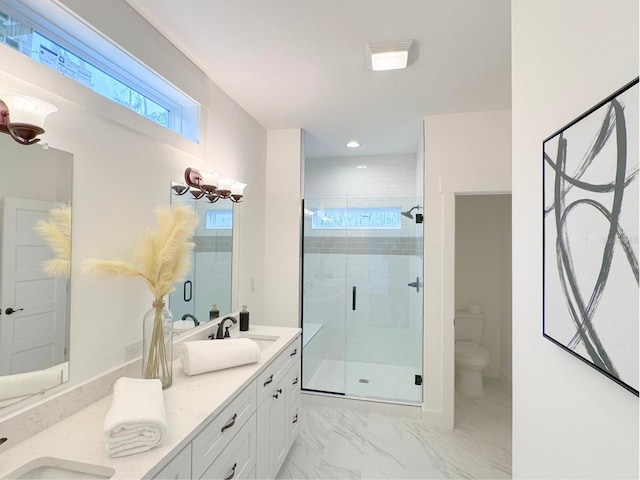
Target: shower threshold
x=366 y=381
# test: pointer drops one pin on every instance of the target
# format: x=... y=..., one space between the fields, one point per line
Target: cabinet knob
x=278 y=392
x=295 y=381
x=295 y=351
x=295 y=419
x=268 y=381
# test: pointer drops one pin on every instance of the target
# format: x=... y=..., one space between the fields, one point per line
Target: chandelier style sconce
x=23 y=117
x=210 y=185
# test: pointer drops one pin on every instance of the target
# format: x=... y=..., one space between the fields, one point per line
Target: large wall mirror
x=34 y=305
x=209 y=282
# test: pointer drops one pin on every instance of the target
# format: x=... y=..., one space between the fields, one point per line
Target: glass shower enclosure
x=362 y=298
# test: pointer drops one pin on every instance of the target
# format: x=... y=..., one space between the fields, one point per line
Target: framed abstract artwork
x=590 y=240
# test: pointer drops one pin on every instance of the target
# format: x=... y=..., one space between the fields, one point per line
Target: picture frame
x=590 y=237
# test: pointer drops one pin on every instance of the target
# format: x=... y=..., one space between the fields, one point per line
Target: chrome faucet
x=192 y=317
x=220 y=333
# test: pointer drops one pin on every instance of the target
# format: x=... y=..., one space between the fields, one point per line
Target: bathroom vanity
x=233 y=423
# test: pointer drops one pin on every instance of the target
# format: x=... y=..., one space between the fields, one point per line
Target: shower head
x=408 y=213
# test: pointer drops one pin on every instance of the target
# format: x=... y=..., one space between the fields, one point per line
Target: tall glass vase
x=157 y=342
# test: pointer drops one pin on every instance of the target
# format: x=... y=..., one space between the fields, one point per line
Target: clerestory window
x=22 y=30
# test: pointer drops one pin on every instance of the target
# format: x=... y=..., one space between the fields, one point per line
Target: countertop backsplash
x=19 y=425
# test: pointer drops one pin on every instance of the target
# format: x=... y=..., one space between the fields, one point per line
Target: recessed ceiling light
x=353 y=144
x=361 y=166
x=388 y=55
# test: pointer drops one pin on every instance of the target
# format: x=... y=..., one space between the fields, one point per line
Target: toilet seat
x=471 y=353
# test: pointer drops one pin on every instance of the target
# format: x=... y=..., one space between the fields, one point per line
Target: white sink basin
x=263 y=341
x=57 y=468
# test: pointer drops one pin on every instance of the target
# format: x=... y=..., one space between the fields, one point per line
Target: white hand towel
x=208 y=355
x=136 y=421
x=28 y=383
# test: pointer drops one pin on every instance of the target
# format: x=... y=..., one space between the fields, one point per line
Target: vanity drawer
x=179 y=468
x=238 y=459
x=214 y=438
x=293 y=383
x=295 y=418
x=293 y=353
x=277 y=369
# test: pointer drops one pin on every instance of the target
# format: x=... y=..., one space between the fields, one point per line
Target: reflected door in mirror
x=33 y=325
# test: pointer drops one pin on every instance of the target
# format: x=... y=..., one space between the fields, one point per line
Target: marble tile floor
x=344 y=443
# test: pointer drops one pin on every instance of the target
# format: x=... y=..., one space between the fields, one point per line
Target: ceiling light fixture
x=353 y=144
x=23 y=117
x=390 y=55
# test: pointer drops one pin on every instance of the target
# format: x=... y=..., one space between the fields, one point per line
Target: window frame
x=61 y=26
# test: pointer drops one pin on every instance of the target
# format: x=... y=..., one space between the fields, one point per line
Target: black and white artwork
x=591 y=290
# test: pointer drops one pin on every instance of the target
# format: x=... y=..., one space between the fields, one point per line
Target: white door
x=34 y=307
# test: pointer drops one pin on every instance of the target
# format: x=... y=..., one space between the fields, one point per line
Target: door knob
x=10 y=310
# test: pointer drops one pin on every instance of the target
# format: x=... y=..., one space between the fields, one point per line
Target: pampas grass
x=163 y=258
x=163 y=255
x=57 y=235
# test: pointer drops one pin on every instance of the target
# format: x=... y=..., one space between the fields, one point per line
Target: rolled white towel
x=136 y=421
x=208 y=355
x=28 y=383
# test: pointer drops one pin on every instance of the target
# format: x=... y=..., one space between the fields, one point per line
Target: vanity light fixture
x=209 y=185
x=393 y=55
x=23 y=117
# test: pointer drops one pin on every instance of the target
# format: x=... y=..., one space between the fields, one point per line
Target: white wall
x=123 y=166
x=282 y=229
x=506 y=310
x=464 y=153
x=569 y=421
x=483 y=242
x=236 y=145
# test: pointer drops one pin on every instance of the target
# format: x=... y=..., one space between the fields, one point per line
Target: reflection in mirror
x=34 y=305
x=208 y=284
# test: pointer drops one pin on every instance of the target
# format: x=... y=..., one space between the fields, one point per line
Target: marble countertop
x=190 y=403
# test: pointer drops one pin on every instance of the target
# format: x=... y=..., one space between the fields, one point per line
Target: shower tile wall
x=210 y=273
x=212 y=283
x=383 y=329
x=384 y=176
x=376 y=332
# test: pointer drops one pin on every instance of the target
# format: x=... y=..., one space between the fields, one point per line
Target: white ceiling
x=301 y=63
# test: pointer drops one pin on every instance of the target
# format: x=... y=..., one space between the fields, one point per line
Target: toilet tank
x=468 y=327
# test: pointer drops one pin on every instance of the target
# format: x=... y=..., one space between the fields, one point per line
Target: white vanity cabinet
x=252 y=435
x=218 y=434
x=293 y=398
x=179 y=468
x=238 y=459
x=277 y=398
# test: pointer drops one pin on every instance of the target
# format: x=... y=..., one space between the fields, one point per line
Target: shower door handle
x=416 y=284
x=353 y=298
x=185 y=297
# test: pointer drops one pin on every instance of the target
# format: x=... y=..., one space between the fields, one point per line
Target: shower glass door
x=362 y=321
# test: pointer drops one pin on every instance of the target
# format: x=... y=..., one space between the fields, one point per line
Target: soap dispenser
x=244 y=319
x=214 y=312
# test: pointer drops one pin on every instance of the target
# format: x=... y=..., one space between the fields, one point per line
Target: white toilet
x=471 y=357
